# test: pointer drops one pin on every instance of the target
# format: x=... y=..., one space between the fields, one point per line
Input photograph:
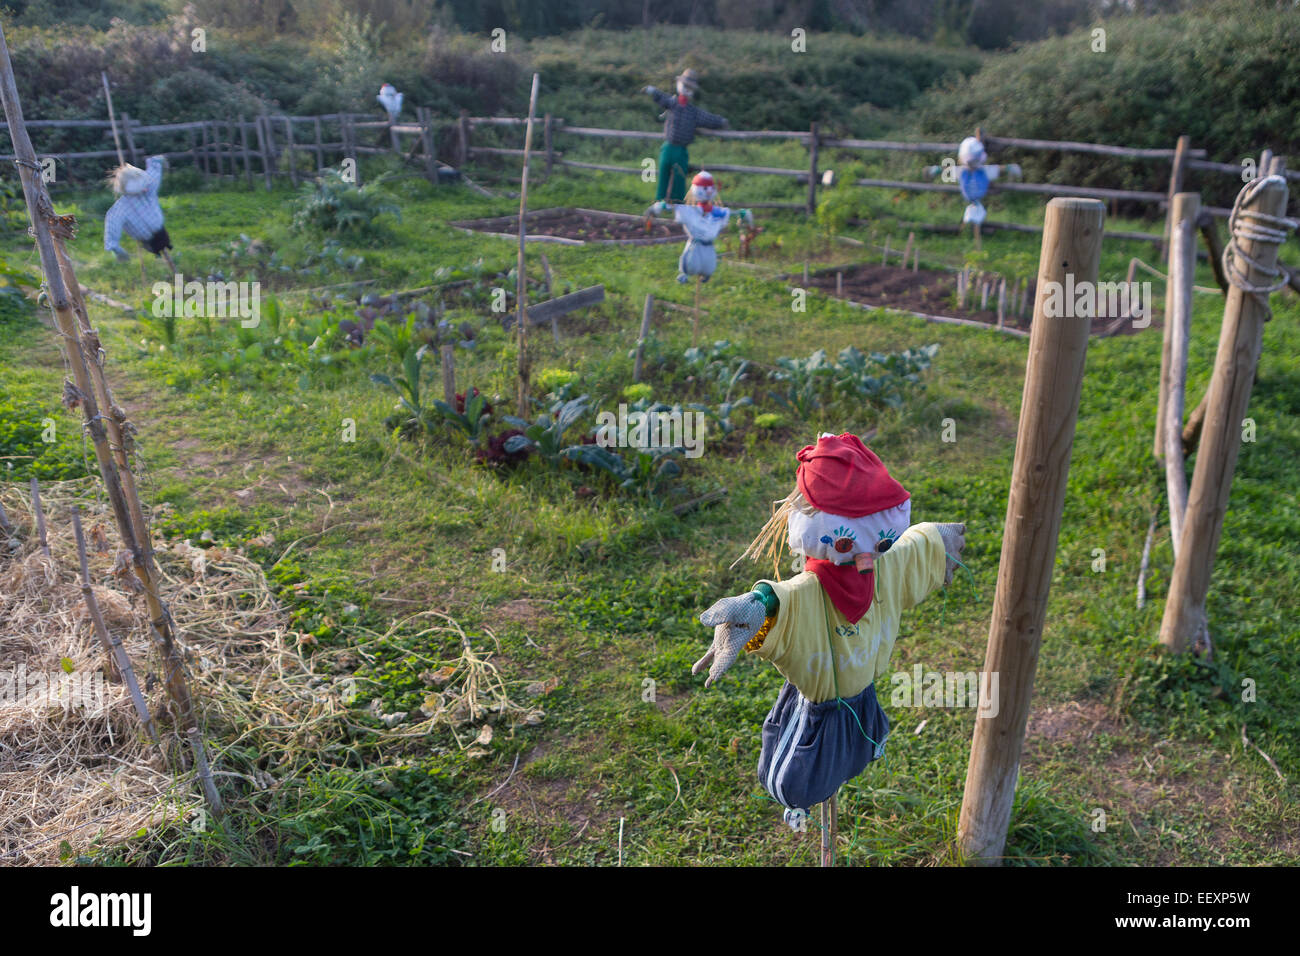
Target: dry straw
x=85 y=775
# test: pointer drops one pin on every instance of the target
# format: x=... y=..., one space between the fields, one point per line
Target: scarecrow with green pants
x=681 y=118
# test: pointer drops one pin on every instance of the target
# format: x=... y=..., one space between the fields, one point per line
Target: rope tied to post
x=1255 y=226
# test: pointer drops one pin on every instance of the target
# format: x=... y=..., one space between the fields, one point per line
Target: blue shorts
x=810 y=750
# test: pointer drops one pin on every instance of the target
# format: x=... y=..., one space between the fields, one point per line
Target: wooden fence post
x=464 y=127
x=426 y=142
x=1072 y=233
x=259 y=126
x=550 y=146
x=1173 y=379
x=449 y=374
x=1175 y=187
x=1244 y=314
x=248 y=159
x=812 y=171
x=320 y=145
x=289 y=151
x=194 y=152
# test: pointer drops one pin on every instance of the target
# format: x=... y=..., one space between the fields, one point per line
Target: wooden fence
x=269 y=146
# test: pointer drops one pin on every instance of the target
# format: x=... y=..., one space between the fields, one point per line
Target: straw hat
x=690 y=79
x=130 y=180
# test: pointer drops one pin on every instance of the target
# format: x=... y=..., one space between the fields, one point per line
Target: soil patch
x=935 y=293
x=580 y=226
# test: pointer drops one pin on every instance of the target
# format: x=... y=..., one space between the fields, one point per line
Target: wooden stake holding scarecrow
x=830 y=630
x=137 y=211
x=974 y=177
x=681 y=118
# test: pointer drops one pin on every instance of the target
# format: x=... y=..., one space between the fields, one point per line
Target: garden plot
x=578 y=227
x=931 y=293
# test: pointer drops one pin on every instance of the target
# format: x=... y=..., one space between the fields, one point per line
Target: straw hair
x=116 y=177
x=771 y=540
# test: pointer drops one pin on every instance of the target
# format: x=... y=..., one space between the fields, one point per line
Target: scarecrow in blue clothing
x=681 y=118
x=974 y=177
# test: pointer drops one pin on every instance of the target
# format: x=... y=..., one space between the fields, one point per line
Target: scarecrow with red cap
x=830 y=630
x=703 y=218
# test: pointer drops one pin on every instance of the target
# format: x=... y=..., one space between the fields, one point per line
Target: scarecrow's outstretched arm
x=736 y=621
x=660 y=97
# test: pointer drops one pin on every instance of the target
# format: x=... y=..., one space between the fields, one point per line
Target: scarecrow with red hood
x=830 y=630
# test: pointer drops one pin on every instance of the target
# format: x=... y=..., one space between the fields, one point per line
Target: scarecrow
x=391 y=101
x=136 y=211
x=830 y=630
x=974 y=177
x=703 y=217
x=681 y=118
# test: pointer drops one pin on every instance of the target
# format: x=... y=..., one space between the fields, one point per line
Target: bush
x=331 y=204
x=1225 y=77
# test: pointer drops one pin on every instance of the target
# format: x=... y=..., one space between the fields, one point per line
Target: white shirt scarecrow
x=136 y=212
x=974 y=177
x=703 y=217
x=391 y=101
x=830 y=630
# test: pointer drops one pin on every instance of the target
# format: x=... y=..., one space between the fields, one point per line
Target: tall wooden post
x=320 y=145
x=1173 y=377
x=1175 y=187
x=521 y=275
x=812 y=171
x=1072 y=232
x=1244 y=314
x=463 y=152
x=204 y=138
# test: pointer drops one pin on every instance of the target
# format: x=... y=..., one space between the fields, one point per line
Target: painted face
x=837 y=539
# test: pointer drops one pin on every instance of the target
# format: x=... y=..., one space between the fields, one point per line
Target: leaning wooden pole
x=521 y=276
x=86 y=368
x=1058 y=345
x=112 y=120
x=1256 y=229
x=1178 y=326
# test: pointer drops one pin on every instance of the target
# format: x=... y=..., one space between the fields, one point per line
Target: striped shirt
x=136 y=214
x=680 y=121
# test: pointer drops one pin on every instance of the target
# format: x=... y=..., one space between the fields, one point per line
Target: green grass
x=602 y=592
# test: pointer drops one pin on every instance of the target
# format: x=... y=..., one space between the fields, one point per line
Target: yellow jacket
x=808 y=628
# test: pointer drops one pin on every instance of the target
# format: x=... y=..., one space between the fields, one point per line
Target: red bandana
x=849 y=590
x=682 y=99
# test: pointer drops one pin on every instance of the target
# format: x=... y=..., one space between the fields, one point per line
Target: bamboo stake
x=839 y=284
x=41 y=212
x=108 y=95
x=40 y=517
x=1240 y=340
x=695 y=324
x=521 y=276
x=907 y=249
x=1178 y=321
x=449 y=374
x=641 y=337
x=1072 y=233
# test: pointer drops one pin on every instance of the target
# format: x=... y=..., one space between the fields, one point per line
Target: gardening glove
x=735 y=620
x=954 y=539
x=650 y=90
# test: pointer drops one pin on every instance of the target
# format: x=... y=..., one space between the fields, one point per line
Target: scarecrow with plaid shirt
x=681 y=118
x=137 y=212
